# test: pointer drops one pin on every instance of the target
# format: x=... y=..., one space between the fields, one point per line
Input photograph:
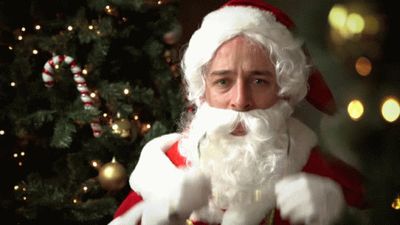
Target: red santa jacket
x=347 y=177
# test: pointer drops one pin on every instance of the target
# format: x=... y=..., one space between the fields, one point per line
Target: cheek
x=217 y=100
x=264 y=100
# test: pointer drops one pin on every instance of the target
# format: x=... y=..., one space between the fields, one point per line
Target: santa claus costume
x=276 y=174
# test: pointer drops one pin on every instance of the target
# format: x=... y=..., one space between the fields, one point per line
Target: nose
x=241 y=99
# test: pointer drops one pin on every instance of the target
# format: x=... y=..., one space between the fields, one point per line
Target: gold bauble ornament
x=396 y=203
x=112 y=176
x=125 y=129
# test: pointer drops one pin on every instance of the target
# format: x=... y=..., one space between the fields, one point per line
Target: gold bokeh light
x=355 y=109
x=390 y=109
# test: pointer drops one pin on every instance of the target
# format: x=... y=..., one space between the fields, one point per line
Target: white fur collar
x=303 y=139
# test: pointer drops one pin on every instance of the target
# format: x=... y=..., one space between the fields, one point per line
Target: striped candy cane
x=48 y=79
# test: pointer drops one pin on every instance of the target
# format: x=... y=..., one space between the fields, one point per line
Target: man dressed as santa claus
x=241 y=158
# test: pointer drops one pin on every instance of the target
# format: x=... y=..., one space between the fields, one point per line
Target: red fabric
x=279 y=14
x=132 y=199
x=349 y=179
x=319 y=164
x=319 y=95
x=175 y=157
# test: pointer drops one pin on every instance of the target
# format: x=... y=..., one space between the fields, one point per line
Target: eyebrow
x=252 y=72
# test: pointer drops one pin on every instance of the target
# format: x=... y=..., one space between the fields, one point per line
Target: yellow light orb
x=10 y=48
x=70 y=28
x=15 y=155
x=390 y=109
x=337 y=16
x=363 y=66
x=38 y=27
x=35 y=51
x=12 y=84
x=84 y=71
x=90 y=27
x=355 y=109
x=2 y=132
x=16 y=187
x=355 y=23
x=20 y=38
x=23 y=29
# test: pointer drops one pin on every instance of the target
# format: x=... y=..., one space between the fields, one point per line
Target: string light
x=136 y=117
x=70 y=28
x=108 y=9
x=90 y=27
x=159 y=2
x=23 y=29
x=95 y=163
x=105 y=115
x=84 y=71
x=93 y=94
x=13 y=84
x=75 y=201
x=24 y=198
x=19 y=163
x=38 y=27
x=56 y=66
x=22 y=153
x=85 y=188
x=16 y=187
x=35 y=51
x=126 y=91
x=2 y=132
x=355 y=109
x=20 y=37
x=15 y=155
x=10 y=48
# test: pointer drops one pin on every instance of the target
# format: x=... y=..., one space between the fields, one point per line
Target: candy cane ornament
x=48 y=79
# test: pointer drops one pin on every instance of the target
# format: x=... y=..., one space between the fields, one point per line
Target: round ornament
x=125 y=129
x=112 y=176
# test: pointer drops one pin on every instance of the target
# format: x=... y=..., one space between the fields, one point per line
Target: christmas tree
x=84 y=85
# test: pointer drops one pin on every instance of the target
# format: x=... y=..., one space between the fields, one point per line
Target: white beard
x=243 y=169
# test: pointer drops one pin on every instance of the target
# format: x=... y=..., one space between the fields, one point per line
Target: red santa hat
x=252 y=17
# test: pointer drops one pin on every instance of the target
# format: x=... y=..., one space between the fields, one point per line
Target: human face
x=241 y=77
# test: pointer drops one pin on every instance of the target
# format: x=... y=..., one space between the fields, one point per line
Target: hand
x=310 y=199
x=190 y=194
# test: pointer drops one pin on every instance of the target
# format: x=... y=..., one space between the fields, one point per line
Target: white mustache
x=222 y=122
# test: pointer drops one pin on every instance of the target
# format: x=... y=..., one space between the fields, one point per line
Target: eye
x=261 y=81
x=221 y=82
